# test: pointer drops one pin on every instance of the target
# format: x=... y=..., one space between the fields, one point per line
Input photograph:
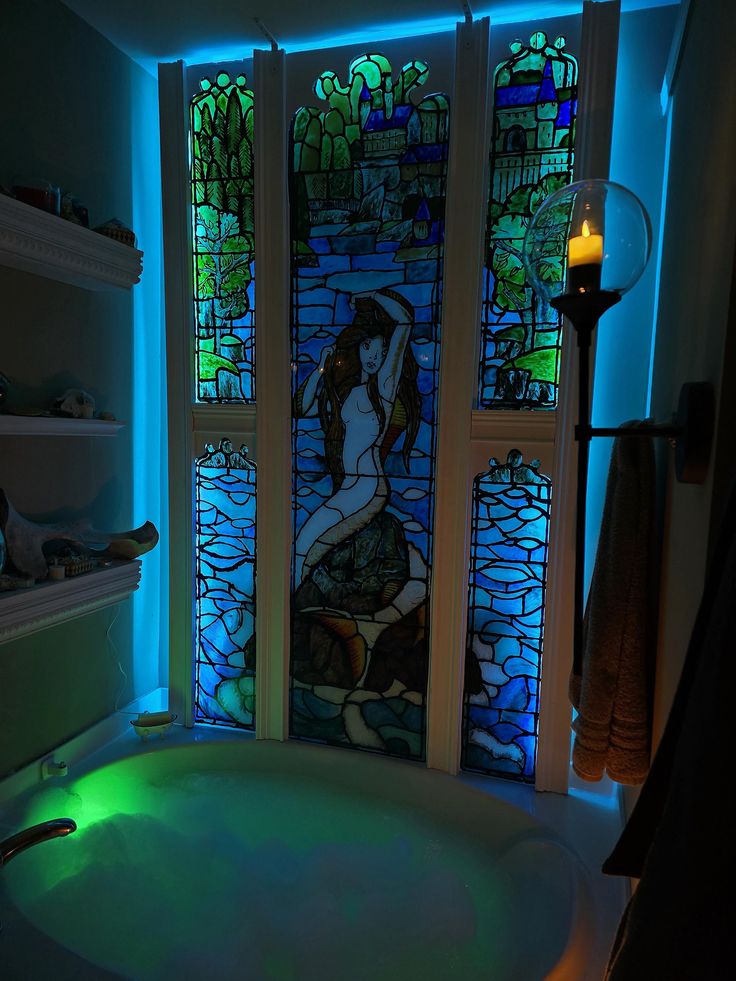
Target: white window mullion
x=174 y=126
x=464 y=236
x=598 y=55
x=273 y=387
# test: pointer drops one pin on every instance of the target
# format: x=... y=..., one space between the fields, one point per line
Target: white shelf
x=57 y=426
x=25 y=611
x=44 y=244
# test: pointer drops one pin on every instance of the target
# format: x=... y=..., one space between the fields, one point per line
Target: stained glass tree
x=225 y=486
x=532 y=154
x=368 y=178
x=508 y=571
x=223 y=235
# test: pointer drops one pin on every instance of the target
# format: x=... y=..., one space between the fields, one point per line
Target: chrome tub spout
x=58 y=828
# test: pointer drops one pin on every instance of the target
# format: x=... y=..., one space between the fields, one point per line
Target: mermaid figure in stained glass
x=364 y=391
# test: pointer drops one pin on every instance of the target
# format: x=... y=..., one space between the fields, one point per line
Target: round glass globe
x=589 y=236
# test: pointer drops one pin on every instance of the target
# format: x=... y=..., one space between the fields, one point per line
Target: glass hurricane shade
x=591 y=235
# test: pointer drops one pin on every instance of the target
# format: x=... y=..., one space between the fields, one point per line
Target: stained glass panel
x=368 y=198
x=508 y=571
x=223 y=236
x=535 y=105
x=225 y=602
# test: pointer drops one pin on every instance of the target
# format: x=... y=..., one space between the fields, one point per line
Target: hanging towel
x=612 y=728
x=679 y=841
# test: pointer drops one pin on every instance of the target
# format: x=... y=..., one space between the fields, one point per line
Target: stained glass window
x=368 y=197
x=223 y=236
x=225 y=486
x=508 y=569
x=535 y=104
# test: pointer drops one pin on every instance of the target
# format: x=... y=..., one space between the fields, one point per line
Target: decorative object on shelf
x=74 y=402
x=78 y=565
x=116 y=230
x=8 y=582
x=34 y=241
x=604 y=231
x=39 y=194
x=25 y=540
x=56 y=570
x=73 y=210
x=153 y=723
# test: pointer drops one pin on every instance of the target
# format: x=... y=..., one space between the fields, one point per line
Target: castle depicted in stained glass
x=531 y=156
x=368 y=201
x=372 y=156
x=534 y=114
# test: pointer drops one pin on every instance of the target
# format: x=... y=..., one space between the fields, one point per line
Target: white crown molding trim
x=46 y=245
x=221 y=419
x=504 y=425
x=26 y=611
x=57 y=426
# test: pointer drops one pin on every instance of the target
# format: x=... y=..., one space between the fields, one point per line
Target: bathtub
x=235 y=858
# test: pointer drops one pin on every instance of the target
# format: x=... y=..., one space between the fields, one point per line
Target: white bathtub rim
x=417 y=784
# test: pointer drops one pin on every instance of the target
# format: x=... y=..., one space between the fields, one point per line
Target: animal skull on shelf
x=25 y=539
x=75 y=402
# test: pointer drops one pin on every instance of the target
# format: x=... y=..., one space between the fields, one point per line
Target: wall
x=625 y=335
x=78 y=112
x=694 y=303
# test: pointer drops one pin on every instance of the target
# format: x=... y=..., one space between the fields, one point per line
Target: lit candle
x=584 y=260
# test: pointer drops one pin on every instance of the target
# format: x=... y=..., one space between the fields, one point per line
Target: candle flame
x=586 y=229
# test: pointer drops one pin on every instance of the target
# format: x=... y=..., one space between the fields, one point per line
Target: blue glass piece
x=508 y=568
x=532 y=155
x=517 y=95
x=368 y=178
x=225 y=489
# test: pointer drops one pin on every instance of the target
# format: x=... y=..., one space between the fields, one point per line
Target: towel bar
x=690 y=432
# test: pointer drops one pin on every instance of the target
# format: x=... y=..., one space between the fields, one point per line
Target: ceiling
x=150 y=31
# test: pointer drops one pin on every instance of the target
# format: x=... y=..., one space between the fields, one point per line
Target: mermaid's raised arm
x=305 y=398
x=390 y=371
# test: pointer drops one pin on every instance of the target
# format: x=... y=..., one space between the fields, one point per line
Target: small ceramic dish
x=153 y=723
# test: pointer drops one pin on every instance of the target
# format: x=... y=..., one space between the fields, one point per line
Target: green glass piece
x=224 y=239
x=535 y=105
x=367 y=197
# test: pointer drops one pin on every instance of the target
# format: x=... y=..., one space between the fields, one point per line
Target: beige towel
x=612 y=729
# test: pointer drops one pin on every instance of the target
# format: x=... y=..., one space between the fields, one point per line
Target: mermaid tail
x=332 y=523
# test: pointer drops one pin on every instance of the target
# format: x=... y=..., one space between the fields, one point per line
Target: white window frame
x=466 y=437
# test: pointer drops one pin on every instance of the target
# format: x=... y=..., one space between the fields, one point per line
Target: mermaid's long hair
x=343 y=372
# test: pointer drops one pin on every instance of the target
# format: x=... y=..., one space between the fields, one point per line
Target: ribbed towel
x=612 y=729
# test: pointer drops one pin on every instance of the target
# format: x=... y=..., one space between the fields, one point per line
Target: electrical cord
x=116 y=657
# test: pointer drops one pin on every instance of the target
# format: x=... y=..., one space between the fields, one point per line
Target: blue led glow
x=500 y=12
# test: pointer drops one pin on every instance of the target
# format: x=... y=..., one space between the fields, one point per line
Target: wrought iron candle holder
x=604 y=232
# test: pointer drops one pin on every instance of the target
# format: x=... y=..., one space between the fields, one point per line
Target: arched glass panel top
x=224 y=239
x=532 y=152
x=368 y=198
